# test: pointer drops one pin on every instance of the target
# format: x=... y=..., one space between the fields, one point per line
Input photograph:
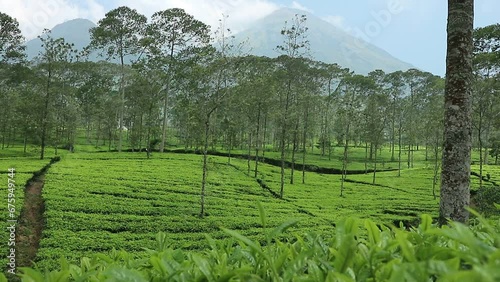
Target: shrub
x=485 y=200
x=357 y=251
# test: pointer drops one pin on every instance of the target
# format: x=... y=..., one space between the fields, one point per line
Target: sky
x=411 y=30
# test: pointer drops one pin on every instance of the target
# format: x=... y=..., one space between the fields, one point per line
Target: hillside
x=75 y=31
x=328 y=43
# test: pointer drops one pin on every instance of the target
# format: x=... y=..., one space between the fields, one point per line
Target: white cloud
x=241 y=12
x=35 y=15
x=298 y=6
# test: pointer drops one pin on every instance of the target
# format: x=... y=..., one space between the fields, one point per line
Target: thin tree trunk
x=97 y=134
x=45 y=116
x=164 y=123
x=409 y=156
x=230 y=147
x=366 y=157
x=344 y=162
x=436 y=168
x=283 y=136
x=399 y=150
x=249 y=152
x=25 y=141
x=375 y=165
x=122 y=104
x=264 y=137
x=204 y=178
x=304 y=136
x=393 y=135
x=257 y=143
x=294 y=149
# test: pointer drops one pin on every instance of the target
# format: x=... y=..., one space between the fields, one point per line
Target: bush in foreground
x=357 y=251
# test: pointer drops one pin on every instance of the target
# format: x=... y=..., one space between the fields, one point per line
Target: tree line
x=177 y=82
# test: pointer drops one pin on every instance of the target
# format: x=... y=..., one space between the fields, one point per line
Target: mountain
x=74 y=31
x=328 y=43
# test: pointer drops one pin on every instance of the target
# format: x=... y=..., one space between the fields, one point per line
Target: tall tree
x=118 y=35
x=169 y=36
x=354 y=87
x=455 y=173
x=211 y=71
x=11 y=58
x=295 y=45
x=376 y=112
x=52 y=65
x=485 y=100
x=11 y=39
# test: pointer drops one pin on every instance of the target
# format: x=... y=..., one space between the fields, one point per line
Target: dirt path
x=31 y=222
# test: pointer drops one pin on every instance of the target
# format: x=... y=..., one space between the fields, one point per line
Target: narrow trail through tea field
x=31 y=221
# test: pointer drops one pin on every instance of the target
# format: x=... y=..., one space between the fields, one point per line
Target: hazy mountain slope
x=328 y=43
x=75 y=31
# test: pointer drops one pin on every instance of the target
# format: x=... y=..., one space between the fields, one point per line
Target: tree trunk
x=344 y=162
x=264 y=137
x=409 y=156
x=257 y=143
x=455 y=174
x=294 y=150
x=249 y=152
x=304 y=136
x=97 y=134
x=375 y=165
x=399 y=151
x=229 y=149
x=204 y=178
x=45 y=116
x=436 y=168
x=283 y=136
x=393 y=125
x=25 y=141
x=122 y=104
x=366 y=157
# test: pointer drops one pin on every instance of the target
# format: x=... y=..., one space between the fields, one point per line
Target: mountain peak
x=74 y=31
x=328 y=43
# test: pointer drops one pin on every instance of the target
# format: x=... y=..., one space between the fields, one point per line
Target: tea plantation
x=99 y=202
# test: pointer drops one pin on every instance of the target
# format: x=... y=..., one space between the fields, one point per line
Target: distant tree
x=211 y=70
x=455 y=172
x=415 y=81
x=253 y=96
x=52 y=70
x=485 y=99
x=95 y=82
x=395 y=83
x=11 y=72
x=295 y=45
x=118 y=34
x=353 y=91
x=11 y=40
x=331 y=75
x=145 y=95
x=170 y=36
x=433 y=119
x=376 y=112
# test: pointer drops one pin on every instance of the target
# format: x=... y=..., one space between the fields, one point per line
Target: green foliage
x=485 y=200
x=352 y=253
x=11 y=39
